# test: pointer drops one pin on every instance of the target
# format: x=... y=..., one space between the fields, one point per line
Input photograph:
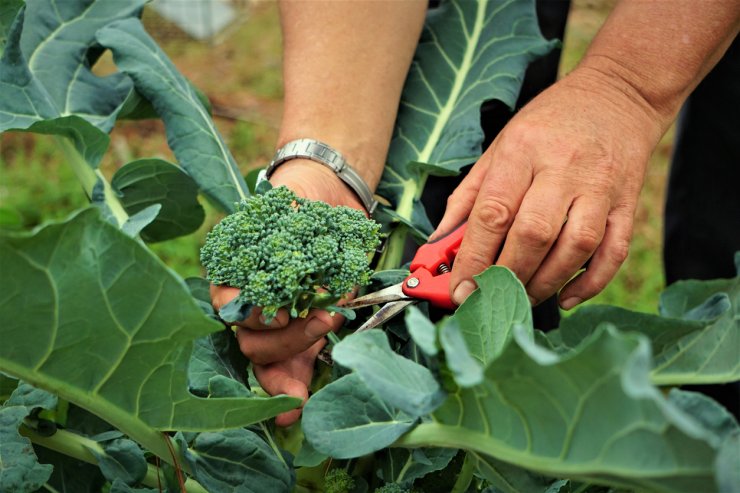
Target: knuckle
x=586 y=240
x=619 y=251
x=535 y=230
x=494 y=215
x=593 y=287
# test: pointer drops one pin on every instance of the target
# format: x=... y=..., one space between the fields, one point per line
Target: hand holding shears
x=429 y=281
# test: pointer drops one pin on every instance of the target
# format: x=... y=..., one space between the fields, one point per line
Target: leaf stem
x=80 y=448
x=272 y=443
x=465 y=476
x=89 y=177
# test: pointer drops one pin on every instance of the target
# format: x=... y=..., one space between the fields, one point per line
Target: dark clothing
x=702 y=214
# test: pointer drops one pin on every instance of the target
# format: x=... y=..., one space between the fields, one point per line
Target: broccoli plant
x=282 y=250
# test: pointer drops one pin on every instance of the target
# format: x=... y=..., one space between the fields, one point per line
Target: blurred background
x=231 y=50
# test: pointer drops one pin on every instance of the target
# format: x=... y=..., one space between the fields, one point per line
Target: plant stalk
x=80 y=448
x=465 y=476
x=89 y=177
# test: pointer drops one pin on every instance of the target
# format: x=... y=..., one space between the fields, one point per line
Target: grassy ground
x=241 y=76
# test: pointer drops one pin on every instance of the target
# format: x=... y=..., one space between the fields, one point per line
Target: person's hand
x=558 y=186
x=283 y=352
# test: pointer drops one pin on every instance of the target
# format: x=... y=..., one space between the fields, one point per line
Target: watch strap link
x=328 y=156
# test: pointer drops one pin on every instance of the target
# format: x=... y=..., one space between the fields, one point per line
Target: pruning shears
x=429 y=280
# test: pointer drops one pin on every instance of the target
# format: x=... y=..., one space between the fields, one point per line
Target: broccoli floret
x=392 y=488
x=338 y=481
x=281 y=250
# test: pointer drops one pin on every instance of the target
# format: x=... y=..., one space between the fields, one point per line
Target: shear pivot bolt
x=412 y=282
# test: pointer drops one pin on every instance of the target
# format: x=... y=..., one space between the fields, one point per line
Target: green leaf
x=727 y=472
x=488 y=316
x=140 y=220
x=19 y=468
x=191 y=133
x=695 y=341
x=200 y=290
x=216 y=355
x=712 y=416
x=404 y=466
x=146 y=182
x=308 y=456
x=46 y=82
x=31 y=397
x=346 y=419
x=107 y=326
x=682 y=297
x=122 y=459
x=400 y=382
x=238 y=460
x=119 y=486
x=469 y=52
x=8 y=10
x=421 y=330
x=509 y=478
x=591 y=415
x=465 y=369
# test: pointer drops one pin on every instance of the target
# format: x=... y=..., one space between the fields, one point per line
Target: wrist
x=315 y=181
x=613 y=86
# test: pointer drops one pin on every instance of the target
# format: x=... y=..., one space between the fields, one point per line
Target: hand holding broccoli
x=283 y=350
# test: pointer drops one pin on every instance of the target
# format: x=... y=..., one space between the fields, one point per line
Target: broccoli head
x=338 y=481
x=281 y=250
x=392 y=488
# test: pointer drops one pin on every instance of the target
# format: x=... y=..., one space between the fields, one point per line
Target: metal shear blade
x=386 y=295
x=387 y=311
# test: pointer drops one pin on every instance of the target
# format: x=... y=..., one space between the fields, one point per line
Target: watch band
x=330 y=157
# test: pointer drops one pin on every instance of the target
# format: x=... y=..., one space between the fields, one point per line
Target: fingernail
x=462 y=291
x=570 y=303
x=315 y=328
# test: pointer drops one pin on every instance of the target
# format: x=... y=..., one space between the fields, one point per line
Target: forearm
x=657 y=51
x=344 y=67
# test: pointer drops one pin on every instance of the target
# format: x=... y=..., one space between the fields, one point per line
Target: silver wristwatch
x=328 y=156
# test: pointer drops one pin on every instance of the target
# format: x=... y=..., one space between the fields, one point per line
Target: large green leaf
x=489 y=315
x=8 y=10
x=191 y=133
x=398 y=381
x=146 y=182
x=346 y=419
x=97 y=319
x=590 y=415
x=19 y=467
x=404 y=466
x=696 y=341
x=238 y=460
x=470 y=51
x=46 y=82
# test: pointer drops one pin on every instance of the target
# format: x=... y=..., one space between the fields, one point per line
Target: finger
x=268 y=346
x=461 y=201
x=275 y=381
x=493 y=213
x=605 y=262
x=290 y=377
x=222 y=295
x=535 y=228
x=579 y=239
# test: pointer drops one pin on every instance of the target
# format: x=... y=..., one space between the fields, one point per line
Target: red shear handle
x=434 y=289
x=428 y=281
x=442 y=251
